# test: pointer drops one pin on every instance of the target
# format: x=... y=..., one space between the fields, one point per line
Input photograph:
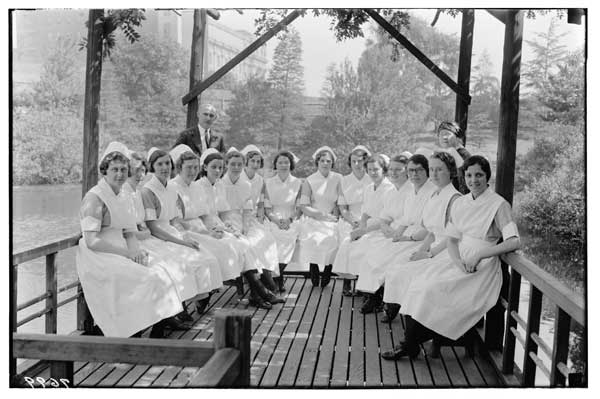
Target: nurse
x=192 y=207
x=282 y=195
x=318 y=202
x=406 y=238
x=254 y=163
x=459 y=286
x=125 y=289
x=195 y=270
x=215 y=197
x=348 y=259
x=242 y=215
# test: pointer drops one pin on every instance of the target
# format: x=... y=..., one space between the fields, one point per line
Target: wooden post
x=51 y=288
x=461 y=111
x=509 y=105
x=62 y=370
x=199 y=45
x=508 y=354
x=13 y=318
x=533 y=326
x=90 y=128
x=560 y=350
x=233 y=330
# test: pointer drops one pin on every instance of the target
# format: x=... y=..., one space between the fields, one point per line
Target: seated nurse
x=195 y=270
x=456 y=288
x=125 y=291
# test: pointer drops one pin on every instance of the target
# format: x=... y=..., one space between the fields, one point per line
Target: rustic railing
x=224 y=363
x=569 y=309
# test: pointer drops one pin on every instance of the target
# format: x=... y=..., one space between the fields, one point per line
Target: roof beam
x=419 y=55
x=205 y=84
x=500 y=15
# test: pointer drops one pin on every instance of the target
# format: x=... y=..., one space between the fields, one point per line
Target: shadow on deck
x=317 y=339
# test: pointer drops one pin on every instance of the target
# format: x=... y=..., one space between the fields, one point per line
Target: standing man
x=201 y=137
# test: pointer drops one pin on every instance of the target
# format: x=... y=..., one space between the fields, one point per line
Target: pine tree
x=287 y=83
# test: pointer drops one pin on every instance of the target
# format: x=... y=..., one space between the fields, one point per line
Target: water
x=43 y=214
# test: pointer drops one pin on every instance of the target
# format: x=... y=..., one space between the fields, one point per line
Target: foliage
x=60 y=83
x=126 y=19
x=46 y=146
x=485 y=94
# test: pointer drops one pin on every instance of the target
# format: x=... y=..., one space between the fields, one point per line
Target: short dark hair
x=253 y=153
x=138 y=157
x=320 y=154
x=454 y=128
x=155 y=155
x=186 y=156
x=208 y=159
x=112 y=156
x=482 y=162
x=448 y=160
x=365 y=156
x=378 y=159
x=420 y=160
x=288 y=155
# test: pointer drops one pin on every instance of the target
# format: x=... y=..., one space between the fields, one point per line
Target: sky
x=320 y=47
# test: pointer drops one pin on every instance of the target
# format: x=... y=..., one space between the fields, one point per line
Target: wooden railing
x=225 y=362
x=569 y=308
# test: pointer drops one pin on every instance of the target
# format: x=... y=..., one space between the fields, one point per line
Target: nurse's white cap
x=250 y=148
x=176 y=152
x=321 y=149
x=152 y=151
x=361 y=148
x=407 y=154
x=207 y=153
x=115 y=146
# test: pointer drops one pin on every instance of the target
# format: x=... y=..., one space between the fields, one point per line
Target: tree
x=547 y=52
x=286 y=78
x=486 y=93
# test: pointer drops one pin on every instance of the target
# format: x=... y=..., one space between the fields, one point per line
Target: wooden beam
x=199 y=45
x=52 y=289
x=461 y=110
x=233 y=330
x=509 y=105
x=201 y=86
x=500 y=15
x=112 y=350
x=533 y=326
x=418 y=54
x=222 y=370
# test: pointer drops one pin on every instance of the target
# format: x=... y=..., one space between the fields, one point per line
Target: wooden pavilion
x=317 y=339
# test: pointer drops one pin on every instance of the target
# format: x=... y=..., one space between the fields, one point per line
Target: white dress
x=383 y=252
x=435 y=214
x=282 y=198
x=353 y=192
x=349 y=256
x=194 y=271
x=240 y=198
x=256 y=187
x=192 y=207
x=123 y=296
x=445 y=298
x=319 y=239
x=215 y=197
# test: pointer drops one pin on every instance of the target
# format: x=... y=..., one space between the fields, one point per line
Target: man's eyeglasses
x=415 y=170
x=209 y=114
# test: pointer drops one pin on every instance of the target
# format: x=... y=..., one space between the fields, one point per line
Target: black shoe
x=239 y=286
x=184 y=315
x=279 y=280
x=158 y=330
x=175 y=324
x=314 y=274
x=391 y=311
x=399 y=352
x=260 y=303
x=274 y=299
x=347 y=288
x=326 y=278
x=371 y=305
x=201 y=305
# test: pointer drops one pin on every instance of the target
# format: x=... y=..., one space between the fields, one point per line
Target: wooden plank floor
x=317 y=339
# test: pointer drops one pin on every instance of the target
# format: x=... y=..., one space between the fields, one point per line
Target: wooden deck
x=317 y=339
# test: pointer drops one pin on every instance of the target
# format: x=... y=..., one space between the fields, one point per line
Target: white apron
x=194 y=271
x=319 y=239
x=349 y=256
x=353 y=195
x=445 y=298
x=383 y=252
x=123 y=296
x=281 y=199
x=223 y=249
x=397 y=275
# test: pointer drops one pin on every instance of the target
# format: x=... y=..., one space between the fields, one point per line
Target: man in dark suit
x=201 y=137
